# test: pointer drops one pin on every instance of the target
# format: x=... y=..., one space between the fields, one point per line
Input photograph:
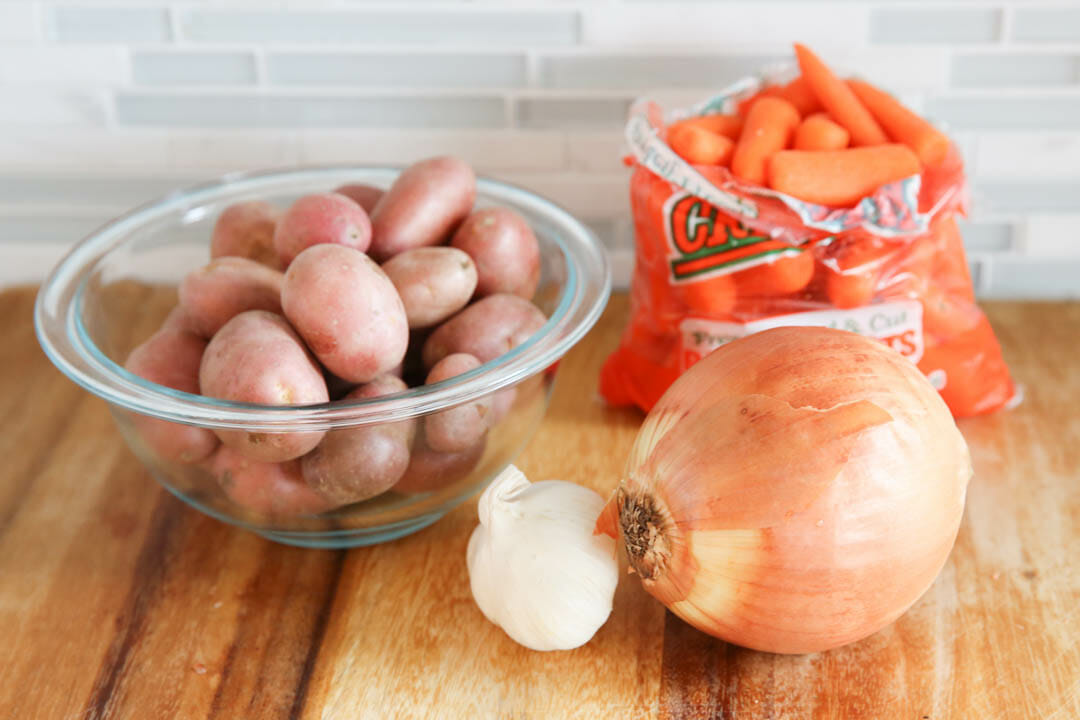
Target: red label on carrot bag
x=897 y=324
x=705 y=240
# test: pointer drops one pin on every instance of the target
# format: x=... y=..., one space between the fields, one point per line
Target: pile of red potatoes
x=347 y=295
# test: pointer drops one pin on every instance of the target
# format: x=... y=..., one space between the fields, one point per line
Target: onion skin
x=794 y=491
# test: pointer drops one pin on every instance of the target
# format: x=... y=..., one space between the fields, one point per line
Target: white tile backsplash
x=55 y=230
x=29 y=262
x=38 y=147
x=234 y=110
x=571 y=113
x=109 y=24
x=1052 y=236
x=54 y=107
x=754 y=27
x=78 y=67
x=421 y=27
x=172 y=67
x=418 y=70
x=19 y=23
x=67 y=191
x=593 y=197
x=108 y=103
x=607 y=230
x=1014 y=276
x=599 y=151
x=978 y=271
x=1060 y=24
x=1001 y=196
x=486 y=150
x=1026 y=111
x=942 y=24
x=229 y=150
x=987 y=236
x=1030 y=155
x=647 y=70
x=1015 y=70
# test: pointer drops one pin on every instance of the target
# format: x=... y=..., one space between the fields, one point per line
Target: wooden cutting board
x=116 y=600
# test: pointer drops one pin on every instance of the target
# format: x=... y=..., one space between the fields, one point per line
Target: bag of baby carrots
x=813 y=202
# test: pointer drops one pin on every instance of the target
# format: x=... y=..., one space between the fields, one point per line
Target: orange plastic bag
x=717 y=259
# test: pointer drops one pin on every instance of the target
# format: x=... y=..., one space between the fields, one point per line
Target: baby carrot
x=768 y=91
x=929 y=144
x=798 y=93
x=782 y=276
x=768 y=128
x=714 y=296
x=851 y=290
x=699 y=146
x=839 y=99
x=818 y=132
x=839 y=177
x=852 y=278
x=727 y=125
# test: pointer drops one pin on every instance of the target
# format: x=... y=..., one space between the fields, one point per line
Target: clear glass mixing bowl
x=113 y=290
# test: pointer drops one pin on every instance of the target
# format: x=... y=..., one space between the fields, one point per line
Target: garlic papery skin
x=535 y=567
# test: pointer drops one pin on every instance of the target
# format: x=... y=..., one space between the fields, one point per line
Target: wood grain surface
x=118 y=601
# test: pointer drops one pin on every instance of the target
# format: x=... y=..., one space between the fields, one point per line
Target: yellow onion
x=795 y=490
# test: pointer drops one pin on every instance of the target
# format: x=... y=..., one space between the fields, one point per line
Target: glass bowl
x=112 y=291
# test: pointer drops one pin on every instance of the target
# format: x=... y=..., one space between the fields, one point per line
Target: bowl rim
x=67 y=343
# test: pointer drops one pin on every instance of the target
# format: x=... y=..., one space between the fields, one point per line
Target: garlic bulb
x=535 y=566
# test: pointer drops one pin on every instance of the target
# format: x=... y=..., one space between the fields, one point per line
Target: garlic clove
x=535 y=567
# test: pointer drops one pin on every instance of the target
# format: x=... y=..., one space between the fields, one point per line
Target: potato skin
x=505 y=251
x=502 y=403
x=171 y=357
x=354 y=464
x=219 y=291
x=423 y=206
x=258 y=358
x=461 y=427
x=317 y=219
x=430 y=470
x=247 y=230
x=178 y=319
x=486 y=329
x=433 y=282
x=276 y=490
x=366 y=196
x=347 y=310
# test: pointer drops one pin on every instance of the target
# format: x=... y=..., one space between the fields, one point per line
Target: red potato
x=423 y=206
x=366 y=196
x=178 y=319
x=226 y=287
x=171 y=357
x=486 y=329
x=347 y=310
x=354 y=464
x=273 y=489
x=321 y=219
x=461 y=427
x=247 y=230
x=433 y=282
x=258 y=358
x=430 y=470
x=502 y=403
x=504 y=249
